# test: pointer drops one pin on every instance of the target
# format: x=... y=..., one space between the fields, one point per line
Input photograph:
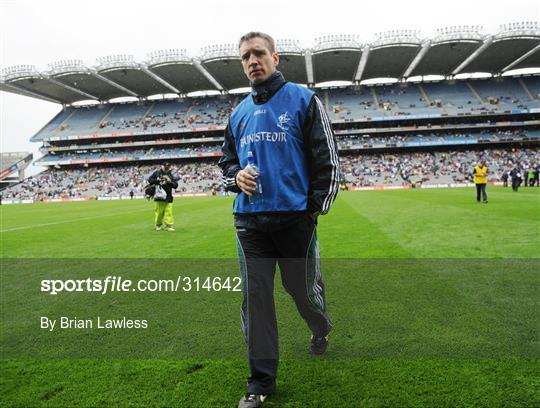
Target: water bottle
x=257 y=194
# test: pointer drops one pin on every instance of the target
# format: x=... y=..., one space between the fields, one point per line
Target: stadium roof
x=11 y=162
x=396 y=54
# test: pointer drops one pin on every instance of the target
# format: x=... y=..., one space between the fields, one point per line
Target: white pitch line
x=68 y=221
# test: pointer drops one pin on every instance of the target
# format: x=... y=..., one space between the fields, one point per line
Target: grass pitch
x=434 y=299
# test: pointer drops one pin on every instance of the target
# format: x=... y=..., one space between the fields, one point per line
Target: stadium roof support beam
x=473 y=56
x=25 y=92
x=309 y=68
x=362 y=64
x=423 y=51
x=72 y=89
x=159 y=79
x=118 y=86
x=208 y=76
x=524 y=56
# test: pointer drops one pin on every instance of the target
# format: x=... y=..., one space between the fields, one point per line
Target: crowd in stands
x=346 y=104
x=440 y=138
x=431 y=167
x=152 y=153
x=211 y=111
x=109 y=181
x=344 y=141
x=204 y=175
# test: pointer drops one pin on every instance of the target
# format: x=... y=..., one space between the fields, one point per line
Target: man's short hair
x=257 y=34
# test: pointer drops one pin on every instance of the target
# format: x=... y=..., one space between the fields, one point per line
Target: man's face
x=257 y=60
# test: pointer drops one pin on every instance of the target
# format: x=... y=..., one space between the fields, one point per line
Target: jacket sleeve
x=322 y=158
x=174 y=182
x=154 y=179
x=229 y=163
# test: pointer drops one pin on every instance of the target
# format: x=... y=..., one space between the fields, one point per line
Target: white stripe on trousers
x=332 y=190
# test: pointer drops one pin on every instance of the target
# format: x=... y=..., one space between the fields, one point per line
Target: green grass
x=434 y=299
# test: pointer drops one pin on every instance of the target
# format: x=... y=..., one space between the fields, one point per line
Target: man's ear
x=275 y=56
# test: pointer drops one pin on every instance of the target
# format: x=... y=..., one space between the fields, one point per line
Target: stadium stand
x=343 y=105
x=444 y=167
x=127 y=152
x=383 y=130
x=397 y=168
x=507 y=94
x=108 y=181
x=12 y=167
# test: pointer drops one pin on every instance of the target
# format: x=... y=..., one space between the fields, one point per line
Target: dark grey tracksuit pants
x=481 y=192
x=295 y=250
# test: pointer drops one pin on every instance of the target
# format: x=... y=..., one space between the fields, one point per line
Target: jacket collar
x=265 y=90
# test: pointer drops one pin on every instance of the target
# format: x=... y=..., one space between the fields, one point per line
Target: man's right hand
x=245 y=180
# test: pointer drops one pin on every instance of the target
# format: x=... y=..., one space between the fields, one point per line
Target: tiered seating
x=454 y=97
x=210 y=111
x=85 y=120
x=109 y=181
x=347 y=104
x=401 y=99
x=508 y=92
x=430 y=167
x=53 y=126
x=356 y=170
x=168 y=115
x=137 y=154
x=533 y=85
x=344 y=143
x=343 y=105
x=122 y=117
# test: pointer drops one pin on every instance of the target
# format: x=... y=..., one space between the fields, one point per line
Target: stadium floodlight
x=337 y=41
x=65 y=66
x=20 y=72
x=521 y=29
x=396 y=37
x=117 y=61
x=11 y=74
x=289 y=46
x=227 y=51
x=57 y=68
x=164 y=56
x=456 y=33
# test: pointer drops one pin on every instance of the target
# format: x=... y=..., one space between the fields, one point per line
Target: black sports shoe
x=252 y=400
x=318 y=345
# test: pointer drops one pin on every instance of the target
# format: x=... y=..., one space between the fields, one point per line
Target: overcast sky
x=39 y=32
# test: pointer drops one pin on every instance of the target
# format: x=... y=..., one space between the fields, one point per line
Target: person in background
x=530 y=177
x=515 y=175
x=504 y=178
x=480 y=181
x=164 y=179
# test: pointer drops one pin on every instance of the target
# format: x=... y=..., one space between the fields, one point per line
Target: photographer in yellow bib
x=164 y=183
x=480 y=181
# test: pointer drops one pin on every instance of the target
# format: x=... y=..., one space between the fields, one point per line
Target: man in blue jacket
x=280 y=156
